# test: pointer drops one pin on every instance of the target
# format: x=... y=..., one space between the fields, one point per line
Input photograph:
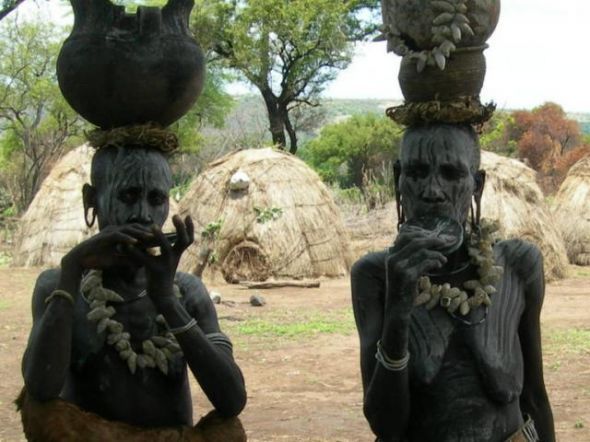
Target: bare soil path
x=299 y=354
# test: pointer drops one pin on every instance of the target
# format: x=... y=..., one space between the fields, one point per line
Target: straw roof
x=284 y=225
x=572 y=212
x=54 y=222
x=512 y=196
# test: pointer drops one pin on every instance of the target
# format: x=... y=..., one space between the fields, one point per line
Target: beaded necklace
x=453 y=299
x=157 y=351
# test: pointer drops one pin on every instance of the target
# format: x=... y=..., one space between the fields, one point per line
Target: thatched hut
x=512 y=196
x=571 y=210
x=271 y=217
x=54 y=221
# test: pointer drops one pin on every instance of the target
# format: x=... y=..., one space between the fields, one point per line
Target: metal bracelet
x=59 y=294
x=184 y=328
x=220 y=339
x=388 y=363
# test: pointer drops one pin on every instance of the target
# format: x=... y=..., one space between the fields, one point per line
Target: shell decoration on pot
x=429 y=31
x=119 y=69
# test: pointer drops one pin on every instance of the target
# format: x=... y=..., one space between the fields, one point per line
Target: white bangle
x=184 y=328
x=391 y=364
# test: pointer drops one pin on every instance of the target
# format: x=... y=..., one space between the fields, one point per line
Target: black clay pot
x=117 y=69
x=463 y=76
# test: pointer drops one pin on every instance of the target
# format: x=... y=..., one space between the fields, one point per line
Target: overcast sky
x=539 y=52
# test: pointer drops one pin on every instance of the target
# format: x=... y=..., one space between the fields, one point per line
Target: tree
x=287 y=49
x=37 y=125
x=495 y=136
x=544 y=134
x=346 y=153
x=7 y=6
x=549 y=141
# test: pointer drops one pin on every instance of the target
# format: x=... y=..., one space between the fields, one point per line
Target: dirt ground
x=306 y=386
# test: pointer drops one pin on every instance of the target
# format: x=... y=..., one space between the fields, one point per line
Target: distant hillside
x=247 y=124
x=339 y=108
x=583 y=120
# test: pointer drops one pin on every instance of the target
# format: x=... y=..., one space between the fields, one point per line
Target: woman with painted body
x=432 y=375
x=132 y=367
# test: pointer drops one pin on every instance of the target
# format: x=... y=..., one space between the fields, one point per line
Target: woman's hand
x=161 y=269
x=106 y=248
x=412 y=255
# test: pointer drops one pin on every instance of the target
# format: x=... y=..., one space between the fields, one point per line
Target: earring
x=475 y=217
x=401 y=216
x=91 y=222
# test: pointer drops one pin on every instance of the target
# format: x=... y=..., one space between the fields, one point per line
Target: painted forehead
x=438 y=146
x=144 y=173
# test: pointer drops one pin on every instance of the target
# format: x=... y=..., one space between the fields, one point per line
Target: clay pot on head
x=117 y=69
x=414 y=20
x=463 y=76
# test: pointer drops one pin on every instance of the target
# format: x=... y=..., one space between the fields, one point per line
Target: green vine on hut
x=265 y=214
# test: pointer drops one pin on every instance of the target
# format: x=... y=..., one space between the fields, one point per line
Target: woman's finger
x=182 y=235
x=190 y=228
x=138 y=254
x=161 y=240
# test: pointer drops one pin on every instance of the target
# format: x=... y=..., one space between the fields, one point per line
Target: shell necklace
x=481 y=254
x=157 y=351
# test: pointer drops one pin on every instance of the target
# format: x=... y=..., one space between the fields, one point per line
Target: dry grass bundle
x=150 y=135
x=571 y=210
x=371 y=231
x=512 y=196
x=284 y=225
x=54 y=222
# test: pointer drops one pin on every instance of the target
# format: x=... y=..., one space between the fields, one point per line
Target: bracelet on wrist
x=389 y=363
x=183 y=328
x=59 y=294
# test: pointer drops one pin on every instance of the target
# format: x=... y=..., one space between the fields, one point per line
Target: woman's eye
x=157 y=199
x=451 y=173
x=128 y=195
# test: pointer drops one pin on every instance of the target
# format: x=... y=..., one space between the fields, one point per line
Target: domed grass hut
x=54 y=221
x=512 y=196
x=571 y=210
x=263 y=213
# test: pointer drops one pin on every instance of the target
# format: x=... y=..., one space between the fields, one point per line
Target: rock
x=215 y=297
x=257 y=301
x=239 y=181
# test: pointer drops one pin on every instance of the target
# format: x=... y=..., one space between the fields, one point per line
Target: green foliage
x=296 y=328
x=345 y=153
x=288 y=49
x=37 y=124
x=265 y=214
x=5 y=260
x=571 y=340
x=210 y=110
x=7 y=6
x=211 y=230
x=131 y=5
x=496 y=135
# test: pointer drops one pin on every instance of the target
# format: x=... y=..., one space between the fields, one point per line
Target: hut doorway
x=246 y=261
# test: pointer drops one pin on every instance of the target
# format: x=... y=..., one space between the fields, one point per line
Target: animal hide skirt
x=61 y=421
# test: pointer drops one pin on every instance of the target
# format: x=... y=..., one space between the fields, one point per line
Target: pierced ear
x=480 y=180
x=89 y=202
